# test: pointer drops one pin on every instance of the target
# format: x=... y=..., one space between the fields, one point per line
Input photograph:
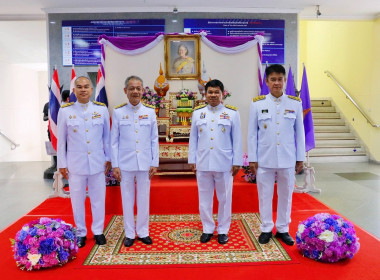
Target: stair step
x=337 y=151
x=333 y=135
x=320 y=103
x=331 y=128
x=327 y=158
x=326 y=115
x=329 y=143
x=323 y=109
x=329 y=122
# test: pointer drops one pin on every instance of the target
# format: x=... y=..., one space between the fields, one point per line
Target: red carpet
x=171 y=195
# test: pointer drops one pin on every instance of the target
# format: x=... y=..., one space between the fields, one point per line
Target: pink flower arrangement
x=44 y=243
x=327 y=238
x=248 y=175
x=226 y=94
x=152 y=98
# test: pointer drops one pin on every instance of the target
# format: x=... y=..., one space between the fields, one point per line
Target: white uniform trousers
x=265 y=185
x=127 y=187
x=222 y=182
x=97 y=191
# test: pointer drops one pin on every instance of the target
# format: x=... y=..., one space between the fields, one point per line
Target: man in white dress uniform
x=276 y=149
x=134 y=154
x=215 y=154
x=84 y=127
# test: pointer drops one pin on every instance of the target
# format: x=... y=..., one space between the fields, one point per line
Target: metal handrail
x=351 y=99
x=13 y=144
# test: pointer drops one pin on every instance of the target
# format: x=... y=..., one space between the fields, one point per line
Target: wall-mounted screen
x=273 y=30
x=80 y=37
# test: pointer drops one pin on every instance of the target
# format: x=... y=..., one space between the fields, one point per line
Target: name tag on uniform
x=289 y=111
x=224 y=116
x=96 y=115
x=143 y=117
x=264 y=111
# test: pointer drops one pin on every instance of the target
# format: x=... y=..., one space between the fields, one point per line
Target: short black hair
x=65 y=95
x=215 y=83
x=275 y=68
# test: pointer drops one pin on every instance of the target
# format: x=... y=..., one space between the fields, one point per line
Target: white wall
x=23 y=90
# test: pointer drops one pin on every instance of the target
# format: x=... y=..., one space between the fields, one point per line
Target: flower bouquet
x=225 y=94
x=327 y=238
x=248 y=175
x=44 y=243
x=152 y=98
x=185 y=93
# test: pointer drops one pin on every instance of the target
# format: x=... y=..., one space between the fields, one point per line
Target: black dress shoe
x=205 y=237
x=128 y=242
x=81 y=241
x=265 y=237
x=285 y=237
x=146 y=240
x=222 y=238
x=100 y=239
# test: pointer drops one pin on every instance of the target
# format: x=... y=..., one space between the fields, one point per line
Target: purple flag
x=307 y=116
x=290 y=90
x=264 y=87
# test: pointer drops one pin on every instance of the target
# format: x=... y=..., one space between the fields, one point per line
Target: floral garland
x=186 y=93
x=152 y=98
x=44 y=243
x=327 y=238
x=248 y=175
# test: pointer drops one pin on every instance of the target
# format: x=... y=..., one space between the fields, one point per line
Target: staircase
x=334 y=141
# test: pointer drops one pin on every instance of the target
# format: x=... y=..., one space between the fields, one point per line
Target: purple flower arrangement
x=152 y=98
x=44 y=243
x=327 y=238
x=248 y=175
x=185 y=93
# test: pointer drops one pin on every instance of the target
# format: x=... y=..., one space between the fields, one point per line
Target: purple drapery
x=229 y=41
x=129 y=43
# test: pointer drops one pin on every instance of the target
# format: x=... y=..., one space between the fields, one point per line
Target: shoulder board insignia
x=295 y=98
x=200 y=107
x=258 y=98
x=149 y=106
x=121 y=105
x=67 y=104
x=231 y=107
x=98 y=103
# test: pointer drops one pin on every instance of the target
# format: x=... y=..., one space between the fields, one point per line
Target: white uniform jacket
x=215 y=139
x=85 y=129
x=276 y=137
x=134 y=137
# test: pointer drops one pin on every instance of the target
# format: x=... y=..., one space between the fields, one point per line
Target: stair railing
x=331 y=76
x=13 y=144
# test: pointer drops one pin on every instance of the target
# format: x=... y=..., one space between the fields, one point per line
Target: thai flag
x=54 y=105
x=307 y=115
x=100 y=93
x=290 y=89
x=72 y=85
x=264 y=87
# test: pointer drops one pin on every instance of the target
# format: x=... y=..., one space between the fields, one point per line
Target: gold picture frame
x=182 y=57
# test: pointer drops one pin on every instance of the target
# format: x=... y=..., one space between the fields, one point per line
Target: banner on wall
x=80 y=37
x=272 y=30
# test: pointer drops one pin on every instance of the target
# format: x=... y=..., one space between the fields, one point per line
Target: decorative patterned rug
x=176 y=242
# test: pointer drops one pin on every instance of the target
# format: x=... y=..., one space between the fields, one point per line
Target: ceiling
x=330 y=9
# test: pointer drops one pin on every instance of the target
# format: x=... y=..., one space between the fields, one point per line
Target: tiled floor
x=352 y=189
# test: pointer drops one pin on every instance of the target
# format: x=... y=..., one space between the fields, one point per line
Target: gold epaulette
x=258 y=98
x=98 y=103
x=121 y=105
x=148 y=105
x=231 y=107
x=200 y=107
x=67 y=104
x=295 y=98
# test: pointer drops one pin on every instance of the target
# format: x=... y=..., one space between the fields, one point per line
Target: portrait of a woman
x=183 y=64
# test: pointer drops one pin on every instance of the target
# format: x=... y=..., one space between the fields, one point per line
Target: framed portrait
x=182 y=57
